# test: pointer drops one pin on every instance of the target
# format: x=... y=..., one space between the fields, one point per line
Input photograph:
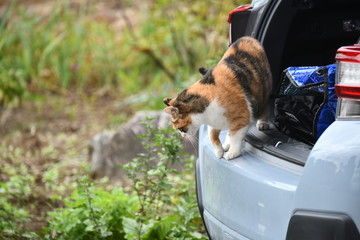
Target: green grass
x=159 y=47
x=63 y=50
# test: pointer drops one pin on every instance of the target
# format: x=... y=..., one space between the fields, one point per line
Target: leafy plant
x=162 y=205
x=91 y=212
x=15 y=192
x=156 y=188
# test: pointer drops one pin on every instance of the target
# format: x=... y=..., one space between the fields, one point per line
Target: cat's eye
x=182 y=129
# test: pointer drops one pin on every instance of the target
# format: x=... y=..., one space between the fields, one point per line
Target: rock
x=109 y=150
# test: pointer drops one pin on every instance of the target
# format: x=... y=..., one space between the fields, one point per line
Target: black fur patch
x=241 y=65
x=241 y=71
x=208 y=78
x=190 y=103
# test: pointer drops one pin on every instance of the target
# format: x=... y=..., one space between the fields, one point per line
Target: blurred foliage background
x=72 y=68
x=124 y=47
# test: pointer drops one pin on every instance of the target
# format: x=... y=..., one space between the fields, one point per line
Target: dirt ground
x=30 y=124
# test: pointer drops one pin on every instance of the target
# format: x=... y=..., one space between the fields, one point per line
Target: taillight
x=348 y=81
x=242 y=8
x=238 y=9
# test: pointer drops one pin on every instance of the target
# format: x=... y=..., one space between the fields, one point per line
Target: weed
x=158 y=190
x=15 y=192
x=162 y=205
x=91 y=212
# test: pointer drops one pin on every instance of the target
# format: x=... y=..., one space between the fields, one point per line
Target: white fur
x=214 y=117
x=235 y=143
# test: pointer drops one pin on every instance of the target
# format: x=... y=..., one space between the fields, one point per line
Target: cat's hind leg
x=262 y=125
x=263 y=122
x=215 y=141
x=236 y=141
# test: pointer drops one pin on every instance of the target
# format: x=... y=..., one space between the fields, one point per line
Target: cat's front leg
x=226 y=144
x=236 y=140
x=215 y=141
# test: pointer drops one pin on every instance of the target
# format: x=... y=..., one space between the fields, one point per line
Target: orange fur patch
x=214 y=137
x=229 y=95
x=181 y=122
x=232 y=98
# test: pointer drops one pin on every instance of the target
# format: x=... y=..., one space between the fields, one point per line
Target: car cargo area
x=300 y=33
x=307 y=33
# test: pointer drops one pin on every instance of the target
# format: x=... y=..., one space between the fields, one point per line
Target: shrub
x=168 y=208
x=15 y=192
x=91 y=212
x=162 y=204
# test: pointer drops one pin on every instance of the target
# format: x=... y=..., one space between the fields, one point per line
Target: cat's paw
x=226 y=146
x=262 y=125
x=231 y=155
x=219 y=152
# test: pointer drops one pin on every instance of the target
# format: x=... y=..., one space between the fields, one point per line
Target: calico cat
x=230 y=96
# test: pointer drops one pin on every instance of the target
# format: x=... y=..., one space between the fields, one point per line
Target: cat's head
x=180 y=116
x=184 y=110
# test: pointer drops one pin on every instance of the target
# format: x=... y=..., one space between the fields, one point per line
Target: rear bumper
x=256 y=195
x=321 y=226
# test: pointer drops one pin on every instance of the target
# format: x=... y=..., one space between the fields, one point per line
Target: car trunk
x=295 y=33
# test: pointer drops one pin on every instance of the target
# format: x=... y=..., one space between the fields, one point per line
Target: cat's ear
x=167 y=101
x=173 y=111
x=203 y=70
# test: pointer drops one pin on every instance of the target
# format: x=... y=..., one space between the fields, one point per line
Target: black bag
x=306 y=102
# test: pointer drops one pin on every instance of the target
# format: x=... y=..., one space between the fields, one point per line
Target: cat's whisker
x=193 y=141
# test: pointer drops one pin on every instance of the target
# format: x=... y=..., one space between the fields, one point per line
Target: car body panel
x=331 y=177
x=249 y=192
x=256 y=194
